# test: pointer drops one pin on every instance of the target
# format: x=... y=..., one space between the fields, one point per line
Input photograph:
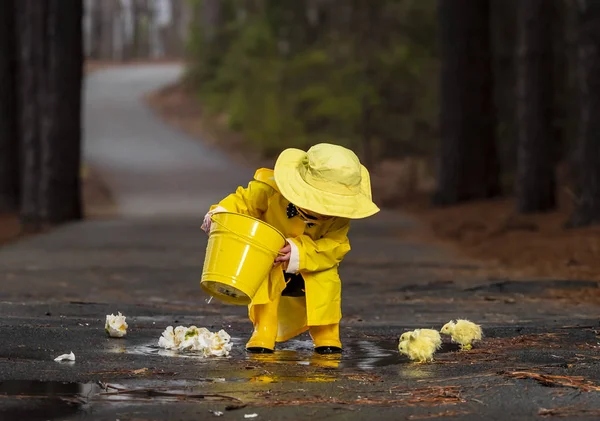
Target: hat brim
x=293 y=187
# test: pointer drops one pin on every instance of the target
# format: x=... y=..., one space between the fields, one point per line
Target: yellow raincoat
x=321 y=248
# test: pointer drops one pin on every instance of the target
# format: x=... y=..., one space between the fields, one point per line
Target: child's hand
x=284 y=256
x=206 y=223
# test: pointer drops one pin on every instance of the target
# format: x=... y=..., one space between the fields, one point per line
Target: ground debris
x=234 y=407
x=494 y=346
x=576 y=382
x=491 y=349
x=546 y=340
x=434 y=395
x=447 y=379
x=579 y=295
x=364 y=378
x=568 y=411
x=548 y=250
x=427 y=396
x=437 y=415
x=141 y=371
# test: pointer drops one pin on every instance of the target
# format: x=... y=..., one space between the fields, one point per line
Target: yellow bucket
x=239 y=256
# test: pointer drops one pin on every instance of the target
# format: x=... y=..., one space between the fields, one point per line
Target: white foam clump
x=66 y=357
x=116 y=326
x=196 y=339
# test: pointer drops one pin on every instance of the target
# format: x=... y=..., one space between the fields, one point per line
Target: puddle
x=58 y=400
x=361 y=354
x=86 y=393
x=155 y=350
x=47 y=389
x=35 y=400
x=358 y=354
x=48 y=401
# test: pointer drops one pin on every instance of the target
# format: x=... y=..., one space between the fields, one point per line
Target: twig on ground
x=141 y=371
x=456 y=378
x=151 y=393
x=568 y=411
x=235 y=407
x=576 y=382
x=438 y=415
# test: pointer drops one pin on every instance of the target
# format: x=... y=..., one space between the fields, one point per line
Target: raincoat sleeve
x=308 y=255
x=252 y=200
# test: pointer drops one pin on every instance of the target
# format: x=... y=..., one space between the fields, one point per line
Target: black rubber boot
x=328 y=350
x=258 y=350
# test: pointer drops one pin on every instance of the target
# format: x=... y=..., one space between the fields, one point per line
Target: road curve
x=150 y=168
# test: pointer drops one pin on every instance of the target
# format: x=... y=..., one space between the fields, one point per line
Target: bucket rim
x=254 y=219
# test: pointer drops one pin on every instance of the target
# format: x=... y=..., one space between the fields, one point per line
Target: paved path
x=150 y=168
x=57 y=288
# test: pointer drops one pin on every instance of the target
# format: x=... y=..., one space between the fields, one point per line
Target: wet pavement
x=539 y=355
x=539 y=358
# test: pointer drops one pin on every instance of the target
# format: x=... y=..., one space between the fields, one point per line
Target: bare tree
x=60 y=198
x=587 y=211
x=30 y=20
x=97 y=31
x=211 y=13
x=50 y=74
x=9 y=139
x=175 y=43
x=536 y=179
x=468 y=162
x=130 y=29
x=141 y=14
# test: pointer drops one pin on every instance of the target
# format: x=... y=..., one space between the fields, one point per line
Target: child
x=310 y=197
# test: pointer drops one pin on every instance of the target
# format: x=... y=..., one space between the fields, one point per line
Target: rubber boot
x=265 y=328
x=326 y=339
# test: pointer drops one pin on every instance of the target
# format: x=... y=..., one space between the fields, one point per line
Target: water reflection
x=45 y=400
x=290 y=356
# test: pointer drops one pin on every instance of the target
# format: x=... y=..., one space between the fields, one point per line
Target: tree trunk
x=504 y=46
x=135 y=36
x=561 y=74
x=97 y=32
x=141 y=29
x=50 y=74
x=536 y=178
x=30 y=20
x=365 y=17
x=587 y=211
x=211 y=16
x=468 y=162
x=175 y=45
x=61 y=135
x=9 y=140
x=105 y=15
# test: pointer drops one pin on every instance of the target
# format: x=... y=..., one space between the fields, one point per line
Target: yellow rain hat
x=328 y=179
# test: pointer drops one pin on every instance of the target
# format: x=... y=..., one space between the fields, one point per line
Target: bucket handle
x=253 y=242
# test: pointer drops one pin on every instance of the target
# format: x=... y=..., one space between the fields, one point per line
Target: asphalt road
x=150 y=168
x=538 y=360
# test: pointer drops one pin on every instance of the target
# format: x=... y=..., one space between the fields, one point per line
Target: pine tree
x=468 y=161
